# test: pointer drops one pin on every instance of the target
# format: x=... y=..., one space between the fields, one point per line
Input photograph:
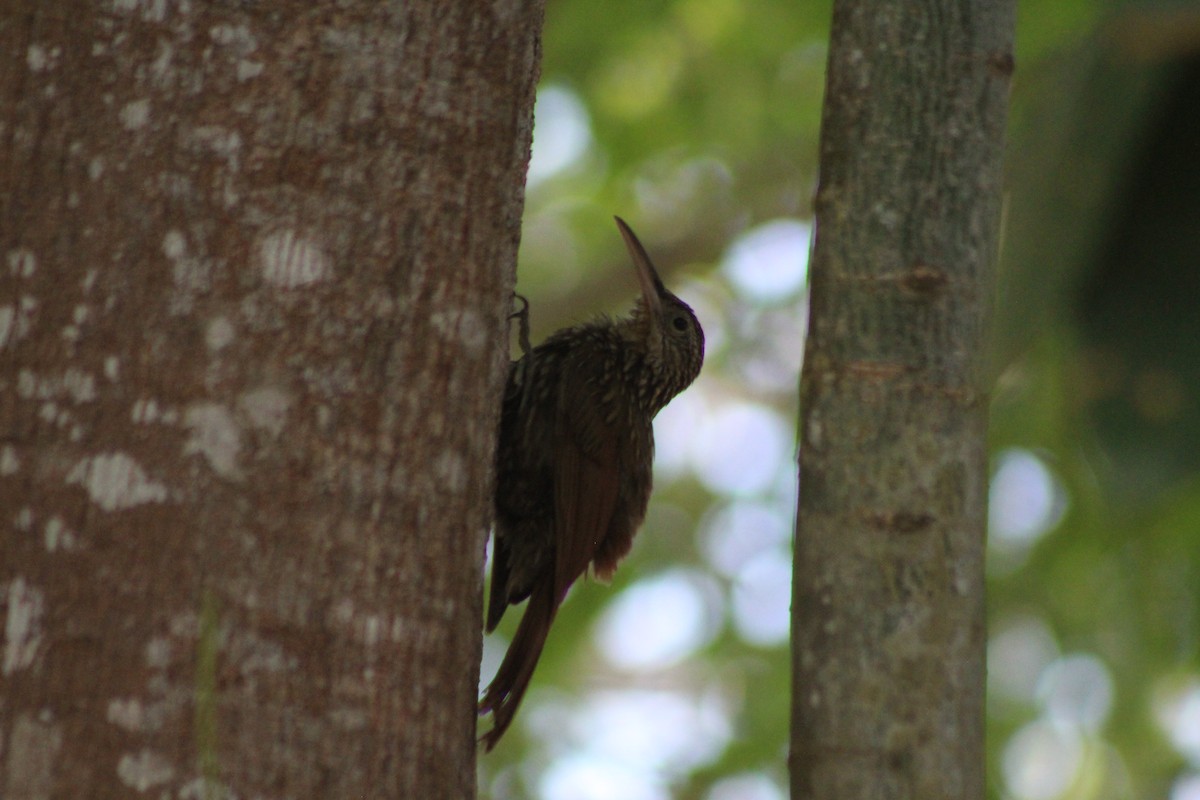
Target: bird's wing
x=587 y=474
x=504 y=693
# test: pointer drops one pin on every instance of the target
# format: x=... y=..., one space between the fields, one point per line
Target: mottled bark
x=256 y=265
x=888 y=649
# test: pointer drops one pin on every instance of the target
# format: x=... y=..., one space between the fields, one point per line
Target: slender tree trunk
x=889 y=637
x=255 y=267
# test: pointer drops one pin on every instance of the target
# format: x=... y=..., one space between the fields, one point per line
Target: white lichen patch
x=32 y=751
x=144 y=770
x=95 y=168
x=465 y=326
x=216 y=436
x=401 y=629
x=247 y=69
x=80 y=385
x=158 y=652
x=23 y=519
x=203 y=788
x=225 y=144
x=506 y=10
x=254 y=654
x=112 y=368
x=160 y=67
x=22 y=626
x=222 y=141
x=173 y=244
x=190 y=273
x=450 y=470
x=373 y=628
x=36 y=58
x=147 y=412
x=26 y=384
x=157 y=10
x=348 y=718
x=74 y=384
x=115 y=481
x=185 y=625
x=148 y=716
x=22 y=263
x=48 y=412
x=17 y=320
x=288 y=260
x=10 y=462
x=144 y=411
x=343 y=611
x=8 y=319
x=218 y=334
x=58 y=536
x=128 y=713
x=266 y=408
x=236 y=36
x=79 y=316
x=152 y=10
x=135 y=115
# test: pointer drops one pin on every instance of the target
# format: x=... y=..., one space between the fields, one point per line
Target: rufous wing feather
x=586 y=470
x=504 y=693
x=587 y=475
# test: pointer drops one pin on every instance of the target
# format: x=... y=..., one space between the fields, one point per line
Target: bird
x=574 y=461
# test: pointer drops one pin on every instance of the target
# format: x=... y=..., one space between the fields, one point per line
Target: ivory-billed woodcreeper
x=573 y=464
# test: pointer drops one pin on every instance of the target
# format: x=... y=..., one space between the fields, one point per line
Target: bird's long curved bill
x=652 y=287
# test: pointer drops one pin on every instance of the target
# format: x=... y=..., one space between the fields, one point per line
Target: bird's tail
x=504 y=693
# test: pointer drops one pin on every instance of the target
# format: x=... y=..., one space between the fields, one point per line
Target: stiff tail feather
x=504 y=693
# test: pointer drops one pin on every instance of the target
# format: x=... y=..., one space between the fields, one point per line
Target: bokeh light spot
x=746 y=787
x=1026 y=500
x=741 y=530
x=770 y=262
x=674 y=429
x=1178 y=713
x=1186 y=788
x=1077 y=690
x=1017 y=657
x=581 y=777
x=631 y=744
x=762 y=597
x=561 y=134
x=740 y=449
x=659 y=621
x=1041 y=760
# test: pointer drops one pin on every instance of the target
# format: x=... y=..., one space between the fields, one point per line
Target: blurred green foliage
x=702 y=120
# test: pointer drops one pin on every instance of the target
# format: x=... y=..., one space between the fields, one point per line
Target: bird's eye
x=679 y=323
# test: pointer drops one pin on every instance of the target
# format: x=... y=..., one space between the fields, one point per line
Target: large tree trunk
x=888 y=651
x=256 y=267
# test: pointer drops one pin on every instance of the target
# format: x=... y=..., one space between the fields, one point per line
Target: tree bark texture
x=889 y=633
x=255 y=270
